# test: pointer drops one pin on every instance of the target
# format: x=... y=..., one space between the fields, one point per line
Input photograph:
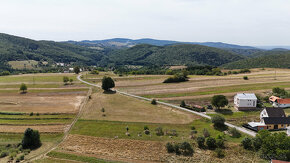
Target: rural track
x=241 y=129
x=66 y=133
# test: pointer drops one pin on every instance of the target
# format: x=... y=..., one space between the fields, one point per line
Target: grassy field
x=123 y=108
x=36 y=78
x=110 y=129
x=28 y=64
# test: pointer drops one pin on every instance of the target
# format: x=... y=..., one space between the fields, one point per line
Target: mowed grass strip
x=68 y=156
x=34 y=121
x=12 y=138
x=23 y=116
x=109 y=129
x=36 y=78
x=223 y=89
x=46 y=90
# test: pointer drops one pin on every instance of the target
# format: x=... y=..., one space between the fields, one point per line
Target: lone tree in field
x=31 y=139
x=107 y=83
x=77 y=69
x=23 y=88
x=219 y=101
x=65 y=80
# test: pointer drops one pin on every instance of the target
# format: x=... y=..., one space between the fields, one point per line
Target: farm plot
x=40 y=104
x=116 y=107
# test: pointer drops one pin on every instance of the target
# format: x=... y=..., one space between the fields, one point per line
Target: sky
x=244 y=22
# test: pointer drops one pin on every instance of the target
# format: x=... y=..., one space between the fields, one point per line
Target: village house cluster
x=271 y=118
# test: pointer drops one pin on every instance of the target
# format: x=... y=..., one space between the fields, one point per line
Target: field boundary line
x=66 y=133
x=248 y=132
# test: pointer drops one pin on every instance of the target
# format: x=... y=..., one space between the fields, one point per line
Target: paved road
x=241 y=129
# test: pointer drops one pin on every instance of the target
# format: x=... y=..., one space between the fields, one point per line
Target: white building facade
x=244 y=101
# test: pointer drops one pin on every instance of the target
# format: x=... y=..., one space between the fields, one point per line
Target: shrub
x=31 y=139
x=220 y=143
x=170 y=148
x=31 y=114
x=211 y=143
x=159 y=131
x=37 y=114
x=200 y=141
x=192 y=128
x=219 y=153
x=257 y=143
x=245 y=78
x=21 y=157
x=146 y=128
x=65 y=80
x=247 y=143
x=235 y=133
x=153 y=102
x=103 y=110
x=180 y=77
x=218 y=121
x=206 y=133
x=147 y=132
x=182 y=104
x=23 y=88
x=202 y=110
x=3 y=154
x=186 y=149
x=176 y=149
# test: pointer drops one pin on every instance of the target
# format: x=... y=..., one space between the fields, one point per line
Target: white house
x=288 y=131
x=282 y=103
x=245 y=101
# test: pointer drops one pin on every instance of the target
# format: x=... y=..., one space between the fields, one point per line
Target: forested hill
x=170 y=55
x=14 y=48
x=275 y=59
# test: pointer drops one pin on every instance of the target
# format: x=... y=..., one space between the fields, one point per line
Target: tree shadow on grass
x=224 y=111
x=109 y=92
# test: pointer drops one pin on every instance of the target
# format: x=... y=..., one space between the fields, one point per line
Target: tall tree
x=23 y=88
x=219 y=101
x=77 y=69
x=107 y=83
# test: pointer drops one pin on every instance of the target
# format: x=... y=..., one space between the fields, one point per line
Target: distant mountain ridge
x=125 y=43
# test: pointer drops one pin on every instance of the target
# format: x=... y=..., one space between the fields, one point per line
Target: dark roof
x=277 y=120
x=275 y=112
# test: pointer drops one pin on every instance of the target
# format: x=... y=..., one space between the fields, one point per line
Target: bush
x=206 y=133
x=159 y=131
x=176 y=149
x=3 y=154
x=247 y=143
x=31 y=139
x=23 y=88
x=245 y=78
x=186 y=149
x=235 y=133
x=182 y=104
x=257 y=143
x=170 y=148
x=211 y=143
x=202 y=110
x=146 y=128
x=153 y=102
x=31 y=114
x=220 y=143
x=37 y=114
x=192 y=128
x=219 y=153
x=147 y=132
x=180 y=77
x=200 y=141
x=218 y=121
x=65 y=80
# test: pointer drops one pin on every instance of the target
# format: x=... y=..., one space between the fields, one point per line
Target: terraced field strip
x=66 y=133
x=251 y=133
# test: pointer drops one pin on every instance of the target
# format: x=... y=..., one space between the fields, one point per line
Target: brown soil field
x=122 y=108
x=148 y=151
x=115 y=149
x=40 y=104
x=40 y=128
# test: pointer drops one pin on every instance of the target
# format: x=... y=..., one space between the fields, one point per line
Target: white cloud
x=247 y=22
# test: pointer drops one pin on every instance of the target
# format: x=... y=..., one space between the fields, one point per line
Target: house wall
x=275 y=104
x=280 y=126
x=246 y=102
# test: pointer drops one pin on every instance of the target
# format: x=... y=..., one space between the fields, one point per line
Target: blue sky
x=245 y=22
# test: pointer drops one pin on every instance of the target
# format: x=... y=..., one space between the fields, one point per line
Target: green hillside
x=273 y=59
x=14 y=48
x=184 y=54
